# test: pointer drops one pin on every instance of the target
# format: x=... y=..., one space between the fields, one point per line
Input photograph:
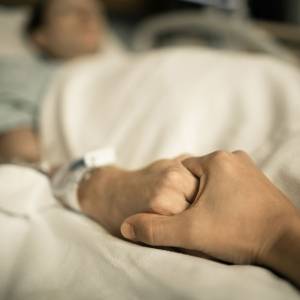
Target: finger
x=194 y=165
x=155 y=230
x=169 y=203
x=190 y=185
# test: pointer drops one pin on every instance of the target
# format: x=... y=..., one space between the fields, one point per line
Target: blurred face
x=72 y=28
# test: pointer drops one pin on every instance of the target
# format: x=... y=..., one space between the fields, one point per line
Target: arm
x=21 y=145
x=22 y=84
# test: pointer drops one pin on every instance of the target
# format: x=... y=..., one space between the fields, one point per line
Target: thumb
x=154 y=230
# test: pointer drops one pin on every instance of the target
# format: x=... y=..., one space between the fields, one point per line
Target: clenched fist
x=111 y=194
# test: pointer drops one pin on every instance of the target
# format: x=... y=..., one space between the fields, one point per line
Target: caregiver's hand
x=239 y=216
x=112 y=194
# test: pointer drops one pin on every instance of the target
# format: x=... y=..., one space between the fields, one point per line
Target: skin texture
x=111 y=194
x=238 y=216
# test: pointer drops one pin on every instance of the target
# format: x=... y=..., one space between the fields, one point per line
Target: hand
x=111 y=194
x=237 y=216
x=19 y=145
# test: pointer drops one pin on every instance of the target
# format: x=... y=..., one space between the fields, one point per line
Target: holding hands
x=111 y=194
x=221 y=205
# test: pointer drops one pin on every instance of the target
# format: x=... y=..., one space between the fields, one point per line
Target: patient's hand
x=111 y=194
x=19 y=145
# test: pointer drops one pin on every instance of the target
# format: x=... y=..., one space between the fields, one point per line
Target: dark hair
x=37 y=16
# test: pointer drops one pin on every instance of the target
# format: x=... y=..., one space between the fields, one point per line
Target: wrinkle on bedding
x=178 y=101
x=58 y=254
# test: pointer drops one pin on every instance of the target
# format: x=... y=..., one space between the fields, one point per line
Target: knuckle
x=164 y=205
x=178 y=207
x=172 y=176
x=162 y=163
x=160 y=205
x=156 y=204
x=224 y=161
x=221 y=155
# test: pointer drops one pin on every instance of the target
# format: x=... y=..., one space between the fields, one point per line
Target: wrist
x=97 y=193
x=66 y=182
x=97 y=179
x=283 y=257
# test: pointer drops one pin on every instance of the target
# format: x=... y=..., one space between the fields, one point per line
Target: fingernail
x=128 y=231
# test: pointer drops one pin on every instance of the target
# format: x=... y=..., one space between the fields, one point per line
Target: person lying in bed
x=60 y=30
x=192 y=204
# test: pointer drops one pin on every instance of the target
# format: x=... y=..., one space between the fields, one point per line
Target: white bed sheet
x=50 y=253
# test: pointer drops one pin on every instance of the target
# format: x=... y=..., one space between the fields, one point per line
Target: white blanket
x=148 y=107
x=178 y=101
x=50 y=253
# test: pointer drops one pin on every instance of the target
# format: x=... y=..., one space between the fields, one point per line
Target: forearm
x=19 y=144
x=284 y=256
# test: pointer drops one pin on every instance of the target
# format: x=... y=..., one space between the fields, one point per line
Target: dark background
x=275 y=10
